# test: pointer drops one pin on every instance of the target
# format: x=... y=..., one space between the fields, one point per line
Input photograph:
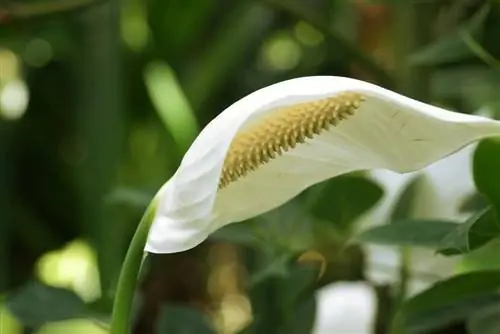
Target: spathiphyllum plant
x=274 y=143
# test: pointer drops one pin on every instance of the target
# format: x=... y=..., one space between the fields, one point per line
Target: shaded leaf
x=284 y=304
x=452 y=48
x=437 y=318
x=404 y=206
x=302 y=318
x=182 y=320
x=485 y=321
x=343 y=199
x=276 y=267
x=241 y=234
x=474 y=233
x=473 y=203
x=485 y=168
x=449 y=301
x=424 y=233
x=37 y=303
x=298 y=285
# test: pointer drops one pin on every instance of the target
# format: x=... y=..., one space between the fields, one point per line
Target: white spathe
x=388 y=131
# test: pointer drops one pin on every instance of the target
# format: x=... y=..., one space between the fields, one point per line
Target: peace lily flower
x=271 y=145
x=274 y=143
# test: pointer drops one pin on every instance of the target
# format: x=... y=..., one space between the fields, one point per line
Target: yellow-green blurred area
x=100 y=99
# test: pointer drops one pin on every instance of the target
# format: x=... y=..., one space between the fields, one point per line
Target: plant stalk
x=122 y=304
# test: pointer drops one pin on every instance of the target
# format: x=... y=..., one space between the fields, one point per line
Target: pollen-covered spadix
x=274 y=143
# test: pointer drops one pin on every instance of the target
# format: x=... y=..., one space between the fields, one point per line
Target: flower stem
x=122 y=305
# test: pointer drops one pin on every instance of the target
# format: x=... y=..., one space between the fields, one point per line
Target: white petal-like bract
x=386 y=131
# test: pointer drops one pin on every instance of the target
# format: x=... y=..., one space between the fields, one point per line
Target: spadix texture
x=269 y=146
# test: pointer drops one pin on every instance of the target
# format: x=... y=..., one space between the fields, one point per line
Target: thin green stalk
x=122 y=305
x=479 y=51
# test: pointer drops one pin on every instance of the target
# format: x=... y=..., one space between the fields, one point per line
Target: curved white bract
x=387 y=130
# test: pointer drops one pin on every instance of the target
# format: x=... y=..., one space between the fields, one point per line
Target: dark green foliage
x=182 y=320
x=95 y=144
x=425 y=233
x=36 y=304
x=449 y=301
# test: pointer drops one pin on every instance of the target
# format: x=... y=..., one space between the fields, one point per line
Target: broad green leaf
x=485 y=321
x=449 y=301
x=486 y=167
x=423 y=233
x=37 y=303
x=474 y=233
x=452 y=48
x=182 y=320
x=343 y=199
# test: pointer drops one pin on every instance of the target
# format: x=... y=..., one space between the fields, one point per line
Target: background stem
x=410 y=34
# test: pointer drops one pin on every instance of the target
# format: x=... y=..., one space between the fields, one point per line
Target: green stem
x=122 y=305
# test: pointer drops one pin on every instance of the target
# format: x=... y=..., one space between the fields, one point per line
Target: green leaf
x=449 y=301
x=473 y=203
x=484 y=258
x=284 y=304
x=277 y=266
x=423 y=233
x=301 y=319
x=474 y=233
x=37 y=303
x=404 y=206
x=182 y=320
x=298 y=285
x=486 y=166
x=452 y=48
x=485 y=321
x=345 y=198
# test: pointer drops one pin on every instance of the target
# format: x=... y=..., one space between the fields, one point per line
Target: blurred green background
x=99 y=100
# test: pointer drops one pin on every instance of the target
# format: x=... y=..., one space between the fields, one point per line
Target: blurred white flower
x=346 y=308
x=443 y=187
x=269 y=146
